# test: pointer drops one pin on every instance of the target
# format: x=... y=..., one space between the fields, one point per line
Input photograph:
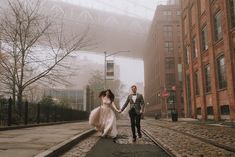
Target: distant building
x=72 y=98
x=162 y=62
x=140 y=87
x=208 y=65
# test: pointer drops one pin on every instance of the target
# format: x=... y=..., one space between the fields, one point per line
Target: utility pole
x=105 y=56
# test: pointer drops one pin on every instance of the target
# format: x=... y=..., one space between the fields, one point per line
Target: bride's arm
x=115 y=107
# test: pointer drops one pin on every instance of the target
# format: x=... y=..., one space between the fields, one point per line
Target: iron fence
x=37 y=113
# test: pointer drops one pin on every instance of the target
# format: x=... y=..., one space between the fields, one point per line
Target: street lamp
x=105 y=60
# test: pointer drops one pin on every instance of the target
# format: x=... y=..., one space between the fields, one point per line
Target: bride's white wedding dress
x=104 y=119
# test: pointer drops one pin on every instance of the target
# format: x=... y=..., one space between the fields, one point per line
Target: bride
x=103 y=117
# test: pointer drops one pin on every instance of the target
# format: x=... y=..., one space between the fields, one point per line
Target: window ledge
x=223 y=89
x=232 y=28
x=218 y=41
x=208 y=93
x=204 y=51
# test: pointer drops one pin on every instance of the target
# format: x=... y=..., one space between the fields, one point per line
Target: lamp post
x=105 y=60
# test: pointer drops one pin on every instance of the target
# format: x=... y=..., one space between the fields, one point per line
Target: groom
x=136 y=101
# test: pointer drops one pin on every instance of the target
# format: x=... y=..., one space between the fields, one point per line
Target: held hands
x=119 y=111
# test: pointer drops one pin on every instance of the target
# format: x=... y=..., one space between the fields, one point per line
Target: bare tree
x=33 y=46
x=96 y=83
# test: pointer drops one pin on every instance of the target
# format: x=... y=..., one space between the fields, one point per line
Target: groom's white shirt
x=134 y=98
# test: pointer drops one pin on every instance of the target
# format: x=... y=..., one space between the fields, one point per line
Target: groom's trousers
x=135 y=122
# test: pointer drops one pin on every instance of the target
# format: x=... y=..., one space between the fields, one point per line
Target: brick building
x=208 y=35
x=162 y=62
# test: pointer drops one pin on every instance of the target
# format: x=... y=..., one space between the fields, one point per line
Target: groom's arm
x=142 y=103
x=126 y=103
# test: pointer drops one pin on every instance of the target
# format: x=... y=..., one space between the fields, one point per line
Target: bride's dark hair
x=107 y=93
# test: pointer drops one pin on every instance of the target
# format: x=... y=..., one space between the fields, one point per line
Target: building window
x=224 y=109
x=168 y=33
x=168 y=48
x=202 y=5
x=210 y=110
x=169 y=63
x=170 y=80
x=167 y=28
x=196 y=83
x=187 y=55
x=232 y=12
x=193 y=15
x=194 y=48
x=180 y=72
x=204 y=39
x=188 y=95
x=221 y=71
x=207 y=79
x=167 y=14
x=217 y=27
x=199 y=112
x=185 y=26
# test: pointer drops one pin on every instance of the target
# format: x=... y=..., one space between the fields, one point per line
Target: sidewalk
x=28 y=142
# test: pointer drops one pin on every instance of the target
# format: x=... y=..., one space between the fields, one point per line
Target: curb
x=65 y=145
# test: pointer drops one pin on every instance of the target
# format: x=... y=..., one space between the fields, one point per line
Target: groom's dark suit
x=134 y=112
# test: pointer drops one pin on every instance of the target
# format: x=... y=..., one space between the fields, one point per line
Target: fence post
x=48 y=113
x=9 y=111
x=26 y=112
x=38 y=113
x=55 y=110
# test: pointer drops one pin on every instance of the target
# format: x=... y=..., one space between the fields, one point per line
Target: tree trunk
x=20 y=101
x=14 y=92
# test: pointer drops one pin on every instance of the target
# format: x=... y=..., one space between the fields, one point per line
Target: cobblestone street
x=218 y=134
x=183 y=139
x=176 y=136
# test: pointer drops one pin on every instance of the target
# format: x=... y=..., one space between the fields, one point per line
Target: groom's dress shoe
x=134 y=139
x=115 y=139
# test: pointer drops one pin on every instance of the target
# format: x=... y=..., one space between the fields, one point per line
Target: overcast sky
x=131 y=70
x=137 y=8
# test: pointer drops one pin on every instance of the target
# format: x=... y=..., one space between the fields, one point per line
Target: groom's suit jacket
x=137 y=105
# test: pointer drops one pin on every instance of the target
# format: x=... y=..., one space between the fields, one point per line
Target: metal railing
x=35 y=113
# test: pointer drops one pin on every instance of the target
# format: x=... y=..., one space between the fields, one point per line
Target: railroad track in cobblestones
x=214 y=143
x=157 y=143
x=83 y=147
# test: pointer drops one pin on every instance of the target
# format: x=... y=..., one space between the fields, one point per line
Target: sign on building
x=110 y=69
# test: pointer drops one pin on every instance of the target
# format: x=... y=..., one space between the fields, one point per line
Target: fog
x=117 y=25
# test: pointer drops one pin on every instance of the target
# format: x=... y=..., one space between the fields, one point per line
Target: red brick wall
x=216 y=97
